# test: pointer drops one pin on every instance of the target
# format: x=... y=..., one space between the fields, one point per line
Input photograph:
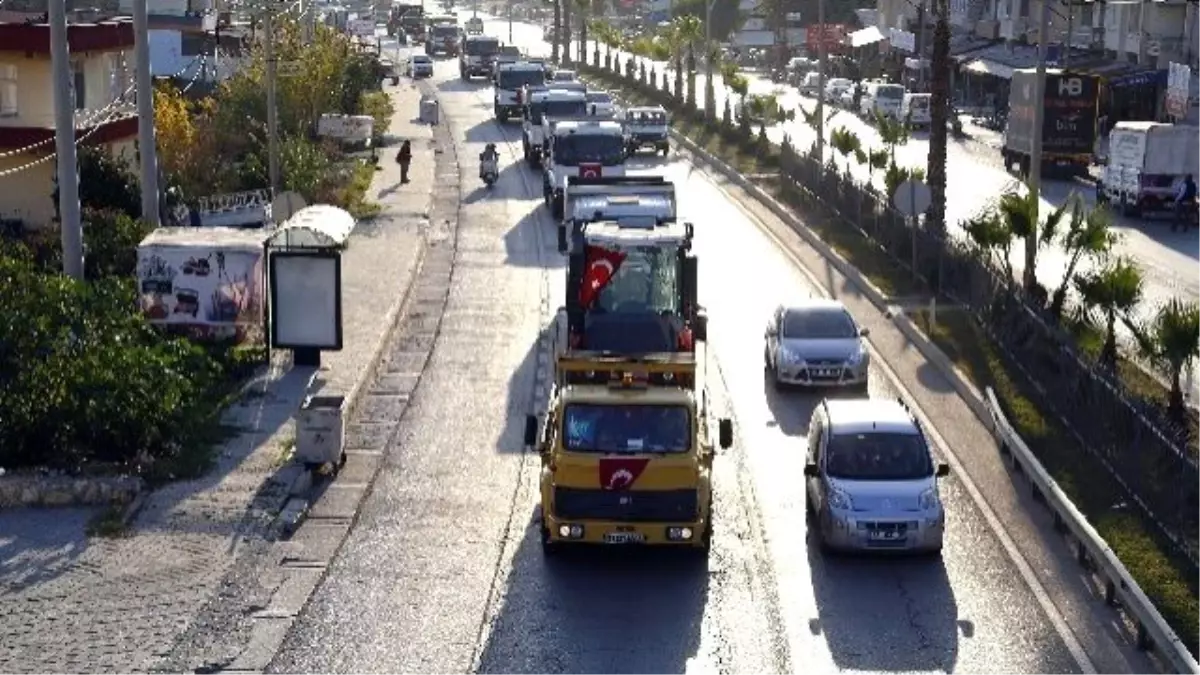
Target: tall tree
x=939 y=113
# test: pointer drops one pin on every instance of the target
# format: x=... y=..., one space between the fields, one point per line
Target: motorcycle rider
x=488 y=159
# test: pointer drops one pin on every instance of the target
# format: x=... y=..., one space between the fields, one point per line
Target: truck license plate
x=623 y=538
x=886 y=535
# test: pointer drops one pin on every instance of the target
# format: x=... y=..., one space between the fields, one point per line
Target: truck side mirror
x=864 y=332
x=812 y=471
x=689 y=283
x=531 y=430
x=943 y=470
x=725 y=433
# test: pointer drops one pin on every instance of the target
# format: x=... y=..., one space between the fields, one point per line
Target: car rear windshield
x=557 y=109
x=818 y=324
x=877 y=456
x=598 y=97
x=626 y=429
x=444 y=31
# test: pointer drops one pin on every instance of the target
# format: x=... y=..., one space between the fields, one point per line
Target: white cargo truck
x=1146 y=163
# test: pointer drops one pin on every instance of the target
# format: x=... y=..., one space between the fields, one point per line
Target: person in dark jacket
x=404 y=158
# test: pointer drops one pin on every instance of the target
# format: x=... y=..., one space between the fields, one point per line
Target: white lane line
x=997 y=526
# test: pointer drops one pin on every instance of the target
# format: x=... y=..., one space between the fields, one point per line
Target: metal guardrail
x=1091 y=551
x=1120 y=590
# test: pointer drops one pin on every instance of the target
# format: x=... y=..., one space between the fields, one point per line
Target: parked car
x=809 y=83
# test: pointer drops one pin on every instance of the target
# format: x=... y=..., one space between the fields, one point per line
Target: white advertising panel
x=213 y=289
x=306 y=303
x=346 y=127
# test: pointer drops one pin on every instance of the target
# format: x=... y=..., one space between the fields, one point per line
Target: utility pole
x=709 y=91
x=920 y=46
x=64 y=143
x=1035 y=162
x=510 y=26
x=1065 y=59
x=272 y=117
x=147 y=150
x=821 y=65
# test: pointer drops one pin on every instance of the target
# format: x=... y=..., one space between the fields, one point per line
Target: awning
x=316 y=226
x=985 y=67
x=1144 y=78
x=866 y=36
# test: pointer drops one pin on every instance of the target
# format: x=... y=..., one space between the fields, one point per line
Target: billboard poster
x=210 y=291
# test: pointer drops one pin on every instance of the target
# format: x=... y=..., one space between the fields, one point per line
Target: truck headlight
x=857 y=356
x=570 y=531
x=679 y=533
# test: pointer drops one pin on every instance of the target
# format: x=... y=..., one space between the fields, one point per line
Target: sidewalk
x=70 y=604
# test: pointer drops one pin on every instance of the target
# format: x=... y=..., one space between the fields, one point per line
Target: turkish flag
x=618 y=473
x=602 y=264
x=590 y=170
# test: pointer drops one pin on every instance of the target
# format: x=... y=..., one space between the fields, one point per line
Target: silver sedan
x=816 y=344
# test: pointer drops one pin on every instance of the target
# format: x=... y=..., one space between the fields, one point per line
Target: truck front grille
x=632 y=506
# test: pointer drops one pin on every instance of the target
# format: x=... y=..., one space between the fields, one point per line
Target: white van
x=914 y=110
x=881 y=98
x=810 y=84
x=1146 y=163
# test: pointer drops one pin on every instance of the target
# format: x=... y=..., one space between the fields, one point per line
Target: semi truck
x=1069 y=124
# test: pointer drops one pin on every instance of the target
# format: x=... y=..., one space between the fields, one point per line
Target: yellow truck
x=626 y=452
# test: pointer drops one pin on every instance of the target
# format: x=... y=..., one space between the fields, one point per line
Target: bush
x=85 y=380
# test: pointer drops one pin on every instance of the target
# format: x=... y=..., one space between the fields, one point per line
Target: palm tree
x=1114 y=290
x=846 y=143
x=892 y=133
x=1088 y=235
x=710 y=93
x=611 y=39
x=690 y=30
x=583 y=9
x=1020 y=211
x=992 y=237
x=1173 y=342
x=939 y=109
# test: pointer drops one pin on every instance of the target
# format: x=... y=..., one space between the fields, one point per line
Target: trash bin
x=320 y=430
x=429 y=110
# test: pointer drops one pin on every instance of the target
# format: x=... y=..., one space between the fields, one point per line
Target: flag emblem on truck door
x=618 y=473
x=589 y=170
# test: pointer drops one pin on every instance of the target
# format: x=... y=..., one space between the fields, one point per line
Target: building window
x=118 y=75
x=79 y=86
x=8 y=90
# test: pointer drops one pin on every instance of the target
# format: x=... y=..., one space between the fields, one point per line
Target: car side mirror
x=864 y=332
x=811 y=470
x=725 y=433
x=531 y=430
x=943 y=470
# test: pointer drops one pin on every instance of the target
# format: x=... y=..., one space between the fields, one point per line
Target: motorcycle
x=488 y=171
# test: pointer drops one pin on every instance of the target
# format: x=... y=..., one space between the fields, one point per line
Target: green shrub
x=85 y=380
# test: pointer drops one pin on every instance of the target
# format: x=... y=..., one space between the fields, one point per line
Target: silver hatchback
x=871 y=482
x=816 y=344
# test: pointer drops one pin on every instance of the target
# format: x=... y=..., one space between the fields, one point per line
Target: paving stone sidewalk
x=73 y=604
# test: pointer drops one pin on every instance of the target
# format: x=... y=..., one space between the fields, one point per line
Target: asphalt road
x=442 y=571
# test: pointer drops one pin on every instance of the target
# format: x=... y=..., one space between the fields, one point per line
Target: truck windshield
x=482 y=47
x=891 y=92
x=444 y=31
x=515 y=79
x=645 y=119
x=627 y=429
x=576 y=149
x=647 y=280
x=557 y=109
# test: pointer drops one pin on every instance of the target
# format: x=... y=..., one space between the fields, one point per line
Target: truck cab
x=540 y=103
x=474 y=26
x=478 y=54
x=619 y=200
x=580 y=147
x=510 y=82
x=443 y=37
x=626 y=451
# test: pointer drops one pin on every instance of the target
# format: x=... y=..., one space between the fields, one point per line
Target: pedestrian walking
x=404 y=158
x=1185 y=200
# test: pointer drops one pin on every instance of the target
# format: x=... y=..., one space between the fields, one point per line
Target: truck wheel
x=562 y=237
x=549 y=546
x=556 y=205
x=502 y=116
x=1129 y=210
x=665 y=150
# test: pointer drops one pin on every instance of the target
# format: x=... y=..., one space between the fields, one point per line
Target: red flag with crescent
x=601 y=265
x=590 y=170
x=620 y=473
